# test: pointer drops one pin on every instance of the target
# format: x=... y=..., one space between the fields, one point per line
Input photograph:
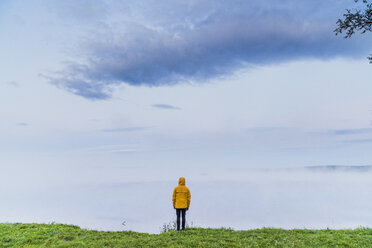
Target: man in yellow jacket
x=181 y=201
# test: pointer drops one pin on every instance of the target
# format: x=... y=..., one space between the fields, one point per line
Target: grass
x=58 y=235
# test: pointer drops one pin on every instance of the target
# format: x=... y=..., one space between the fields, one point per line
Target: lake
x=240 y=198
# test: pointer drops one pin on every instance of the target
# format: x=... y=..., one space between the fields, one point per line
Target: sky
x=105 y=92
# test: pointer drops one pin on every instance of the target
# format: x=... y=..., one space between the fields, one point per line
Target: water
x=236 y=198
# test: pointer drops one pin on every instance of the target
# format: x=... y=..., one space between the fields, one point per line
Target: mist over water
x=241 y=199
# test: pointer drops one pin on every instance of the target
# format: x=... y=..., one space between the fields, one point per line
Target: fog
x=240 y=198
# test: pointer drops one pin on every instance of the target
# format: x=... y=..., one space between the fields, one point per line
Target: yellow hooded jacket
x=181 y=195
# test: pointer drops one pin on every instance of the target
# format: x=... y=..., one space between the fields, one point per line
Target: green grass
x=58 y=235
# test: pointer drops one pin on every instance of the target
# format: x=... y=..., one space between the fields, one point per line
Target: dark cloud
x=170 y=42
x=74 y=81
x=165 y=106
x=127 y=129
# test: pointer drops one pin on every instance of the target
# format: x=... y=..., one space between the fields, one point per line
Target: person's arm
x=188 y=199
x=174 y=198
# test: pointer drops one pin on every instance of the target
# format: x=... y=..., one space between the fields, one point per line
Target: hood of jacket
x=181 y=181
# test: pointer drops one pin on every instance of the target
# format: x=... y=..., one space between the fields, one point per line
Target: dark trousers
x=179 y=212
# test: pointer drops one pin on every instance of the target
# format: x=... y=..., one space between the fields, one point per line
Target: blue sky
x=153 y=90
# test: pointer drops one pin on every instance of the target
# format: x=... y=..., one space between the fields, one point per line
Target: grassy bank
x=57 y=235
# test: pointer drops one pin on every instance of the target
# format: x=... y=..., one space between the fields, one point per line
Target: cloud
x=82 y=11
x=126 y=151
x=126 y=148
x=22 y=124
x=165 y=106
x=127 y=129
x=344 y=168
x=13 y=83
x=359 y=141
x=172 y=42
x=353 y=131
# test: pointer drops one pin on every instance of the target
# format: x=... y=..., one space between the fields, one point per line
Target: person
x=181 y=202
